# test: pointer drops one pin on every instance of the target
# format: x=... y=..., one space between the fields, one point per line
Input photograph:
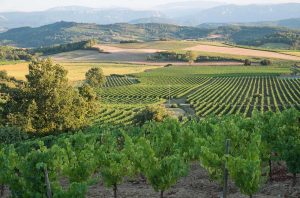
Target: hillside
x=66 y=32
x=155 y=20
x=293 y=23
x=244 y=14
x=70 y=32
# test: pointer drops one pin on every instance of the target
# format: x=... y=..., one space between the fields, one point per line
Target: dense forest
x=68 y=32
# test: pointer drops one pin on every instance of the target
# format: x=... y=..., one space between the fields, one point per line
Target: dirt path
x=184 y=107
x=242 y=52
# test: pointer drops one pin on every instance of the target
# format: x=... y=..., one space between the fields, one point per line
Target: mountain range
x=191 y=13
x=293 y=23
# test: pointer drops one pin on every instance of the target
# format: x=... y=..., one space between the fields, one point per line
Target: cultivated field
x=242 y=52
x=202 y=88
x=208 y=89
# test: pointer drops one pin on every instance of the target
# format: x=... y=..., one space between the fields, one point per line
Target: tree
x=191 y=56
x=47 y=103
x=95 y=77
x=265 y=62
x=247 y=62
x=151 y=113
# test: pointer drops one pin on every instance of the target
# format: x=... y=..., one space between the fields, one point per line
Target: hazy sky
x=29 y=5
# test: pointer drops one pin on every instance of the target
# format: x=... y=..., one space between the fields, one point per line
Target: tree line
x=13 y=54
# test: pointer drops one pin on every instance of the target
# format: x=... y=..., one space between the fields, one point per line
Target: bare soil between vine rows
x=197 y=184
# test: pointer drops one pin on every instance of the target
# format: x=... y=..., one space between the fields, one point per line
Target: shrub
x=151 y=113
x=265 y=62
x=11 y=135
x=174 y=106
x=247 y=62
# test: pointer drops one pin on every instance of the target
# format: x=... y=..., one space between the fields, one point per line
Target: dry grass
x=18 y=70
x=294 y=53
x=242 y=52
x=76 y=71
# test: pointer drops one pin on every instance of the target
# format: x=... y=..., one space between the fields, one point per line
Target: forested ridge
x=69 y=32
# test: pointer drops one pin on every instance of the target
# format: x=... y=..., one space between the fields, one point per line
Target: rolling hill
x=293 y=23
x=67 y=32
x=155 y=20
x=243 y=14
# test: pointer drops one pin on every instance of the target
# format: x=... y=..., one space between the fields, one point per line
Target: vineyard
x=243 y=95
x=161 y=152
x=208 y=90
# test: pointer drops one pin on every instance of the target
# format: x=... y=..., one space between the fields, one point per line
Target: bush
x=3 y=75
x=247 y=62
x=11 y=135
x=168 y=65
x=174 y=106
x=265 y=62
x=151 y=113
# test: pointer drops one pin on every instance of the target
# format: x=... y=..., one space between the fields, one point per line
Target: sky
x=34 y=5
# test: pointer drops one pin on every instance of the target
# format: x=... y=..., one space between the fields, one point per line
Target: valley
x=147 y=99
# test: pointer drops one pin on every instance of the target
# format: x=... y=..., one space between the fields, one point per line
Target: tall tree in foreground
x=47 y=103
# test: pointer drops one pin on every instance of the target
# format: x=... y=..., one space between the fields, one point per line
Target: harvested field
x=124 y=55
x=112 y=54
x=18 y=70
x=76 y=71
x=242 y=52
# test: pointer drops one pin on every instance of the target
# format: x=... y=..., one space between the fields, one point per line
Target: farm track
x=182 y=102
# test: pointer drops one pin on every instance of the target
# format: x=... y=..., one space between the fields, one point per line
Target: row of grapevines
x=243 y=95
x=161 y=152
x=116 y=81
